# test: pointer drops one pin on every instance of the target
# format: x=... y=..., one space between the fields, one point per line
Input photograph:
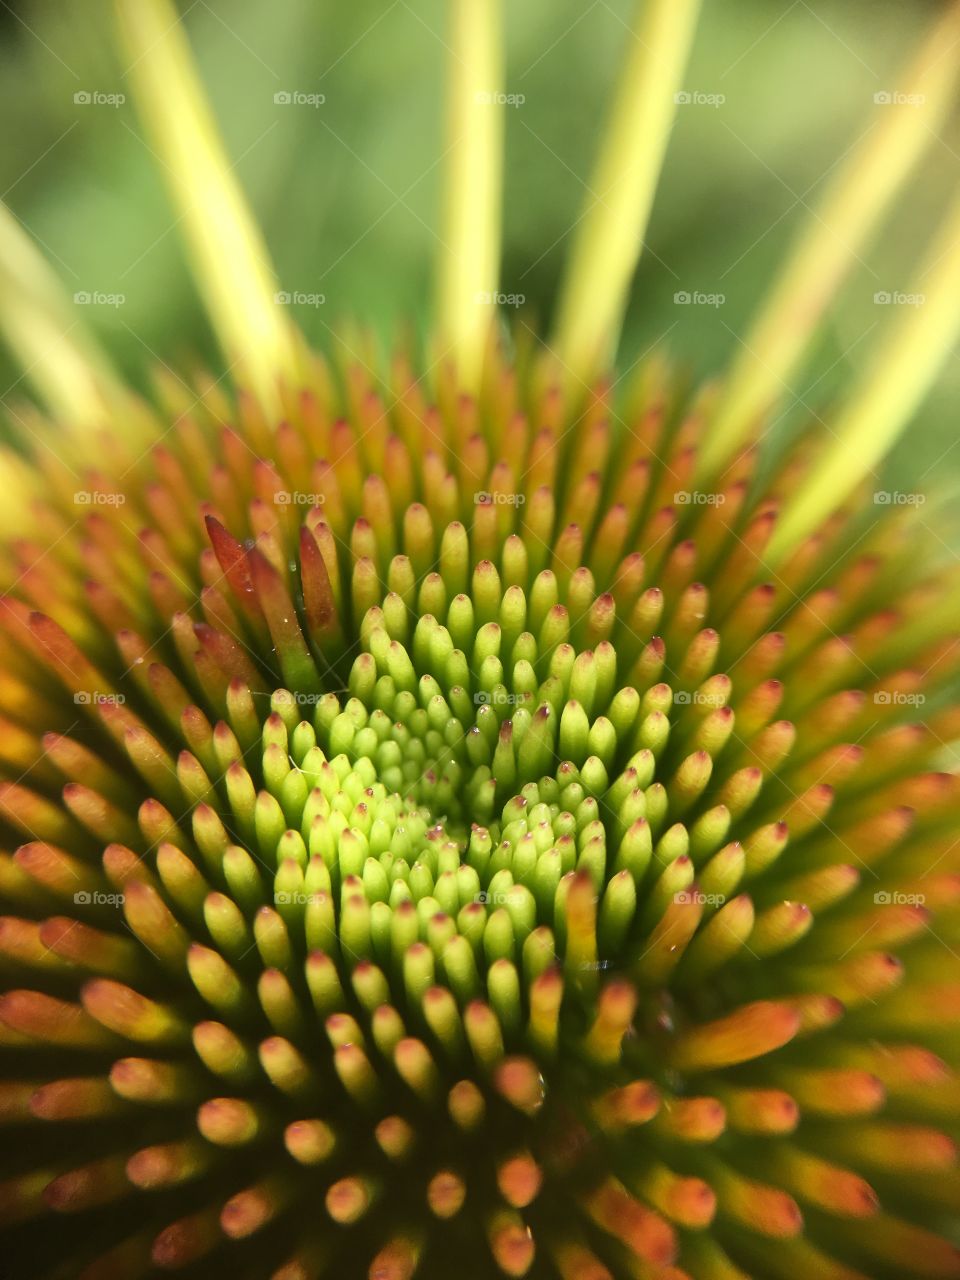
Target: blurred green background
x=348 y=192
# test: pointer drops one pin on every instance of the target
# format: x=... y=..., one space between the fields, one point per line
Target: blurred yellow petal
x=229 y=257
x=610 y=233
x=470 y=251
x=46 y=332
x=904 y=367
x=827 y=248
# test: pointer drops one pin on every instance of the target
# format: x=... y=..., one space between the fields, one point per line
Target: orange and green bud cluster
x=437 y=844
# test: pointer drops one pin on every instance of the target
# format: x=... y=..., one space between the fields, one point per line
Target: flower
x=475 y=822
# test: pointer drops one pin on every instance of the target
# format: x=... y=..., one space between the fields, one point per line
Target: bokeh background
x=348 y=192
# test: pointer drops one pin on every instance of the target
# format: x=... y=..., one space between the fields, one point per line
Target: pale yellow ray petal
x=610 y=233
x=59 y=356
x=905 y=365
x=907 y=119
x=227 y=251
x=469 y=254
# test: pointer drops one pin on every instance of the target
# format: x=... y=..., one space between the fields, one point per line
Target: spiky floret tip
x=483 y=859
